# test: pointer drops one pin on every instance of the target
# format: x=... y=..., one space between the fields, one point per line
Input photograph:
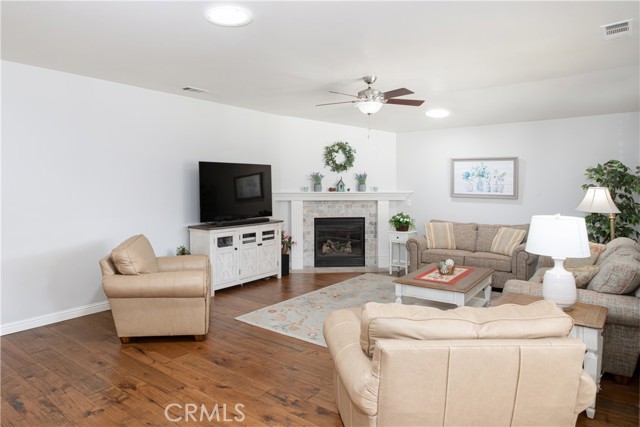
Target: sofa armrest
x=183 y=263
x=174 y=284
x=415 y=247
x=621 y=309
x=586 y=393
x=342 y=333
x=523 y=263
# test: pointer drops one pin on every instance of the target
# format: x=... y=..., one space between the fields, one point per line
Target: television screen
x=234 y=192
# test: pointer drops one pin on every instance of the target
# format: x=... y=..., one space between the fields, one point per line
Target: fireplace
x=339 y=242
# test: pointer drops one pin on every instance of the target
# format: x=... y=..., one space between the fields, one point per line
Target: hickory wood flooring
x=76 y=373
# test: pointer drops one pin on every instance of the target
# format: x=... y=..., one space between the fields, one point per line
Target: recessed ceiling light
x=437 y=113
x=228 y=16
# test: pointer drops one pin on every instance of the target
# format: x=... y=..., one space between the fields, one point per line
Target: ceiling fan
x=370 y=100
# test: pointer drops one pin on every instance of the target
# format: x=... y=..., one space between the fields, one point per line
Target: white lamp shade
x=369 y=107
x=558 y=236
x=598 y=200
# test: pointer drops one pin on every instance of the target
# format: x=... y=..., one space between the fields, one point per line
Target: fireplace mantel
x=334 y=195
x=383 y=199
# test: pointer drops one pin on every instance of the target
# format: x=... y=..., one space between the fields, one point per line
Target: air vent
x=617 y=29
x=194 y=89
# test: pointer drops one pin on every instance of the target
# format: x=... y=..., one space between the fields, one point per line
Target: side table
x=399 y=238
x=588 y=325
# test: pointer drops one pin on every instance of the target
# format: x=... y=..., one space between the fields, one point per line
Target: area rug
x=302 y=317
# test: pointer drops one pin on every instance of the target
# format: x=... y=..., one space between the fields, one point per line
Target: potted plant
x=361 y=178
x=286 y=242
x=624 y=186
x=182 y=250
x=401 y=221
x=316 y=177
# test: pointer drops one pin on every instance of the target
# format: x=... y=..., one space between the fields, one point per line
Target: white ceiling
x=487 y=62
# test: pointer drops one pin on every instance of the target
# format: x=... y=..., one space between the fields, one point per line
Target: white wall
x=553 y=156
x=86 y=163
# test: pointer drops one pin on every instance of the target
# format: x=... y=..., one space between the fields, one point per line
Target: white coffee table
x=462 y=292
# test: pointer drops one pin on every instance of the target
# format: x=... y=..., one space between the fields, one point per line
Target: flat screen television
x=234 y=193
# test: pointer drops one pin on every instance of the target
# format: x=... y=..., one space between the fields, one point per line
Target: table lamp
x=559 y=237
x=598 y=200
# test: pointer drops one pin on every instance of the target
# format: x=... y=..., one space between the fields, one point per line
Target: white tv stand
x=238 y=253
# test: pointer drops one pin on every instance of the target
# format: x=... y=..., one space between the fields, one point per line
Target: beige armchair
x=156 y=296
x=398 y=365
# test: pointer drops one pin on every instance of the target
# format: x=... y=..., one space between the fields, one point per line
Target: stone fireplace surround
x=302 y=207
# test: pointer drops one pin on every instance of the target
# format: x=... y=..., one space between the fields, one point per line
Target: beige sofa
x=473 y=248
x=397 y=365
x=156 y=296
x=616 y=285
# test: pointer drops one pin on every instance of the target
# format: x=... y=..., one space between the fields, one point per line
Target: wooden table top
x=587 y=315
x=463 y=285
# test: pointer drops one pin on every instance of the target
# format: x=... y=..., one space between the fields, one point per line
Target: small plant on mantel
x=401 y=221
x=316 y=178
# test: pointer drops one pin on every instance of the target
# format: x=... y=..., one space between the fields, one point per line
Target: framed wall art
x=495 y=178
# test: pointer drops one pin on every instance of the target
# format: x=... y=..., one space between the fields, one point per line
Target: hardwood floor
x=76 y=373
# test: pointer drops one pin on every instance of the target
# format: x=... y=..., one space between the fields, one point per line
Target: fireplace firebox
x=339 y=242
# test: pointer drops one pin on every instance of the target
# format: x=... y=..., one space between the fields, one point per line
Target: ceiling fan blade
x=412 y=102
x=398 y=92
x=334 y=103
x=346 y=94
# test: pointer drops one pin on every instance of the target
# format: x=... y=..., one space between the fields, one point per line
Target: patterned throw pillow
x=584 y=274
x=507 y=240
x=595 y=249
x=440 y=235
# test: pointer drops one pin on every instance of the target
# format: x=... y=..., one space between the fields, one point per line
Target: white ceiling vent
x=617 y=29
x=194 y=89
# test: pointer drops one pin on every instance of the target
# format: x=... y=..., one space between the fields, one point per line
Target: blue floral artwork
x=493 y=178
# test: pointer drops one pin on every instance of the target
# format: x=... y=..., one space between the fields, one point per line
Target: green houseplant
x=182 y=250
x=624 y=185
x=401 y=221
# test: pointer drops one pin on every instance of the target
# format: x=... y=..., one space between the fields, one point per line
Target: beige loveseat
x=615 y=285
x=473 y=244
x=398 y=365
x=156 y=296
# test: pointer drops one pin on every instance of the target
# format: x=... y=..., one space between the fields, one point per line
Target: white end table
x=399 y=238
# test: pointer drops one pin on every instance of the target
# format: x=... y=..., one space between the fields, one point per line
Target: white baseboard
x=58 y=316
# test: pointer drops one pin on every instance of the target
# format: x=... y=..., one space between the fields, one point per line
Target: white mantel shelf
x=296 y=200
x=344 y=196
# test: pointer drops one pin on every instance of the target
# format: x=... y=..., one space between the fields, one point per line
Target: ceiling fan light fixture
x=228 y=16
x=437 y=113
x=369 y=107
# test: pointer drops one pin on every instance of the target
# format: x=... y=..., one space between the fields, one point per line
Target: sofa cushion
x=540 y=319
x=618 y=246
x=135 y=256
x=617 y=276
x=436 y=255
x=440 y=235
x=487 y=232
x=507 y=240
x=465 y=234
x=489 y=260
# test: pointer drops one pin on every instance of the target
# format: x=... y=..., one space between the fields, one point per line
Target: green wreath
x=331 y=151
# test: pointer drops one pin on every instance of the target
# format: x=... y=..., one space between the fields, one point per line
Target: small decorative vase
x=469 y=187
x=317 y=187
x=404 y=227
x=487 y=187
x=362 y=187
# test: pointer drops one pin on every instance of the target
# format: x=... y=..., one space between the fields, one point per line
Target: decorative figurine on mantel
x=340 y=185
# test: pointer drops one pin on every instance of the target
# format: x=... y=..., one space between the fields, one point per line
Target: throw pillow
x=584 y=274
x=507 y=240
x=440 y=235
x=135 y=256
x=617 y=277
x=595 y=250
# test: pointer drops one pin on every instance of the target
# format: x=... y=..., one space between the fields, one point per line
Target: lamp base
x=559 y=286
